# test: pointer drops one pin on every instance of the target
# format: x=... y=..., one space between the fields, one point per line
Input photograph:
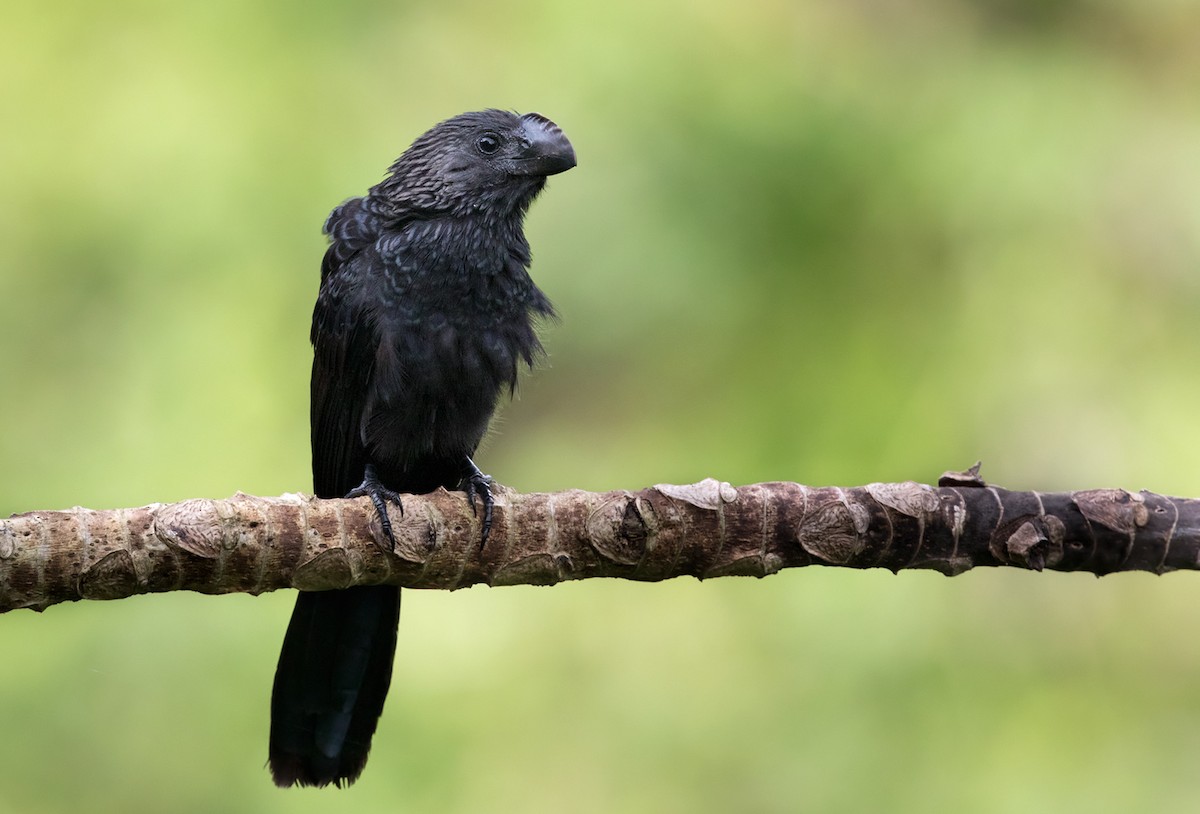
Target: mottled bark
x=708 y=529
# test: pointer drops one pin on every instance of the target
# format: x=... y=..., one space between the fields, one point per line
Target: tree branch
x=708 y=529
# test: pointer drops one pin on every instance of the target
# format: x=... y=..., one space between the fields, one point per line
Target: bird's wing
x=345 y=341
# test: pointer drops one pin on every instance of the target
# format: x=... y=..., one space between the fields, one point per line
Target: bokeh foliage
x=828 y=242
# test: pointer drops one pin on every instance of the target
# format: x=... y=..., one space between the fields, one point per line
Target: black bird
x=425 y=313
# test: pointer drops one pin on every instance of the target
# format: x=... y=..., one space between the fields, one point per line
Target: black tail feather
x=331 y=682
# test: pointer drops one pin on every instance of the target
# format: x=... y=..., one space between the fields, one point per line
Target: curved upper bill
x=545 y=150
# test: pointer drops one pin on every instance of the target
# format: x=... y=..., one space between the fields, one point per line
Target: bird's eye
x=488 y=143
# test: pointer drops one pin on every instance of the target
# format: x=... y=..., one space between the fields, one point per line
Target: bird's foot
x=380 y=496
x=475 y=483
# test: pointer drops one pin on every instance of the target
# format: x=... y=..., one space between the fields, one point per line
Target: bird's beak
x=544 y=149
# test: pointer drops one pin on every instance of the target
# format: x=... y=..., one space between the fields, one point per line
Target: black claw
x=475 y=483
x=380 y=496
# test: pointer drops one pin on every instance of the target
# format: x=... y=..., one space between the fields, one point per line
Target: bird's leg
x=380 y=496
x=475 y=483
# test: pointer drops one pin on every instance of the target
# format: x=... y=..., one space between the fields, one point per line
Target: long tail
x=331 y=683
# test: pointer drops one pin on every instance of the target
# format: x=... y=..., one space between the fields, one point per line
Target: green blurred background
x=833 y=242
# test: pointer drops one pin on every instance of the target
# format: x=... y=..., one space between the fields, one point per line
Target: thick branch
x=708 y=529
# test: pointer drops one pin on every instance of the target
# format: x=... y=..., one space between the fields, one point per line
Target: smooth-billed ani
x=425 y=312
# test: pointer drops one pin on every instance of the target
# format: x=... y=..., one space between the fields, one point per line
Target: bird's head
x=487 y=161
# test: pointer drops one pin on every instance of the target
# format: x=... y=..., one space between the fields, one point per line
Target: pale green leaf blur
x=833 y=242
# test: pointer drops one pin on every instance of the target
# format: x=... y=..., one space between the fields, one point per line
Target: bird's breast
x=436 y=385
